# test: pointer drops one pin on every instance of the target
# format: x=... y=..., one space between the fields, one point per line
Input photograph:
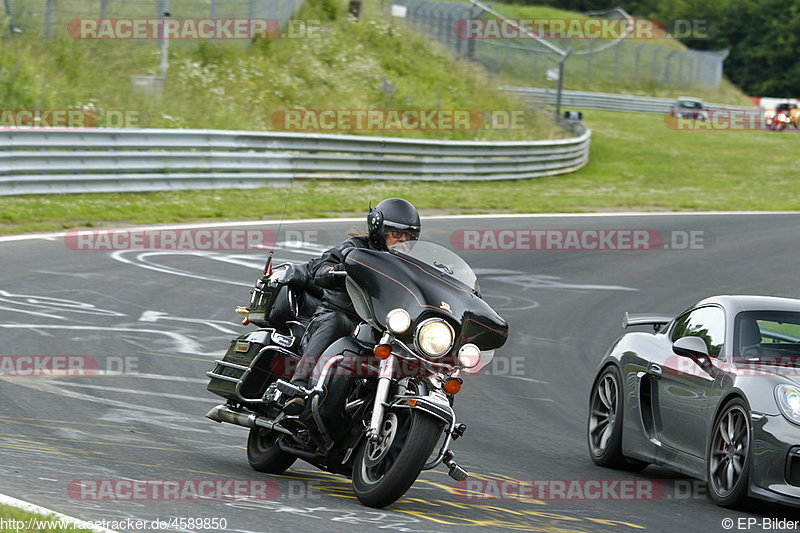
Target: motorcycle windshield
x=424 y=279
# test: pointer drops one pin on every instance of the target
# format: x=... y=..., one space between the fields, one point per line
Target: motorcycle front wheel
x=383 y=471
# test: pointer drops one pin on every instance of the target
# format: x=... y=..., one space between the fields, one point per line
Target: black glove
x=329 y=277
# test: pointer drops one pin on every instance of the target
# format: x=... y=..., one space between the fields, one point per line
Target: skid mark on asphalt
x=443 y=510
x=16 y=418
x=73 y=430
x=98 y=442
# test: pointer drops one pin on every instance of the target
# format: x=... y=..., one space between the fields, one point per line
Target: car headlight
x=398 y=321
x=788 y=398
x=435 y=337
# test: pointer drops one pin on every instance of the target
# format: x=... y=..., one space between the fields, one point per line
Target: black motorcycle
x=380 y=404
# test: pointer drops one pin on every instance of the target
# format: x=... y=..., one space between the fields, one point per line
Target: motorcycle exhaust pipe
x=223 y=413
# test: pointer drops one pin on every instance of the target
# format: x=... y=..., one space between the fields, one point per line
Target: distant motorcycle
x=780 y=121
x=783 y=116
x=380 y=406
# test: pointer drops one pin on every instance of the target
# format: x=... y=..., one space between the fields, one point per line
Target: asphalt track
x=161 y=317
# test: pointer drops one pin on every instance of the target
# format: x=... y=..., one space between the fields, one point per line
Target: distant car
x=688 y=107
x=784 y=114
x=713 y=393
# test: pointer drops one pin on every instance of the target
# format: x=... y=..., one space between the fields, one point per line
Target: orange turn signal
x=453 y=385
x=382 y=351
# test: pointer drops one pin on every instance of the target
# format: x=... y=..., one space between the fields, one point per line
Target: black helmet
x=392 y=214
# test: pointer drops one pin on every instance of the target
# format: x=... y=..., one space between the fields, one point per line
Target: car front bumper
x=775 y=468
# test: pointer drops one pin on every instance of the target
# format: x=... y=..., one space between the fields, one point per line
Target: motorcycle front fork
x=384 y=382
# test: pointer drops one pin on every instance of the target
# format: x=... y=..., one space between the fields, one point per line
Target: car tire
x=729 y=450
x=604 y=427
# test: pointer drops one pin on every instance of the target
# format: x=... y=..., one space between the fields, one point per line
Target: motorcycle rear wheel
x=384 y=471
x=264 y=455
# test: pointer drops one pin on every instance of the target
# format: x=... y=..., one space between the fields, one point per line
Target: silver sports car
x=713 y=393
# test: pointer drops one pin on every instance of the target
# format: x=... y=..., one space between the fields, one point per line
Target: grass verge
x=636 y=164
x=32 y=522
x=371 y=64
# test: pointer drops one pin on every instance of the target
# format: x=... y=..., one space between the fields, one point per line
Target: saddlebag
x=252 y=362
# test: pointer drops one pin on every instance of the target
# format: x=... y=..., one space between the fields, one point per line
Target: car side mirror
x=690 y=346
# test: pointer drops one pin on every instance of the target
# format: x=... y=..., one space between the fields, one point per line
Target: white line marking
x=131 y=391
x=155 y=316
x=183 y=343
x=526 y=379
x=161 y=377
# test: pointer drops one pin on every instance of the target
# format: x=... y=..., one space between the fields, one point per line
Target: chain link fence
x=50 y=18
x=597 y=63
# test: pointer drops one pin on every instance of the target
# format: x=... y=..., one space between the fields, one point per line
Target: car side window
x=708 y=323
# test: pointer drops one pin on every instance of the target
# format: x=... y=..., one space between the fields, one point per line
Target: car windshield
x=441 y=259
x=689 y=104
x=768 y=335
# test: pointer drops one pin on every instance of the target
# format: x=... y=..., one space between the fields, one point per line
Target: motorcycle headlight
x=469 y=356
x=398 y=321
x=435 y=337
x=788 y=398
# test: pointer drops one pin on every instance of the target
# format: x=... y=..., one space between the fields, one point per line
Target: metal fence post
x=665 y=71
x=654 y=69
x=636 y=61
x=10 y=14
x=213 y=13
x=48 y=18
x=163 y=13
x=589 y=60
x=561 y=63
x=104 y=9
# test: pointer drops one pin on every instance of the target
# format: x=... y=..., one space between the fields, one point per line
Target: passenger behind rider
x=392 y=221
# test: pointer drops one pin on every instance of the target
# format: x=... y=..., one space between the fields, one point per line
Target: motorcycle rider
x=392 y=221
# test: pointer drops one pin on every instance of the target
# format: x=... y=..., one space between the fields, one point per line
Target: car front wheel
x=604 y=429
x=729 y=455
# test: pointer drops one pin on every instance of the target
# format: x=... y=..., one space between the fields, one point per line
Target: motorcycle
x=781 y=118
x=379 y=407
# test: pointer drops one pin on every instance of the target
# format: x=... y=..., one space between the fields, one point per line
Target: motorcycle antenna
x=268 y=266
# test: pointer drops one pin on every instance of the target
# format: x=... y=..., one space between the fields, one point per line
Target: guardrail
x=607 y=101
x=41 y=161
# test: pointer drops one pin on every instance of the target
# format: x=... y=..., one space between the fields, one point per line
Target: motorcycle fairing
x=381 y=281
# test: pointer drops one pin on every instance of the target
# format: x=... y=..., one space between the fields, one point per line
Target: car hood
x=785 y=372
